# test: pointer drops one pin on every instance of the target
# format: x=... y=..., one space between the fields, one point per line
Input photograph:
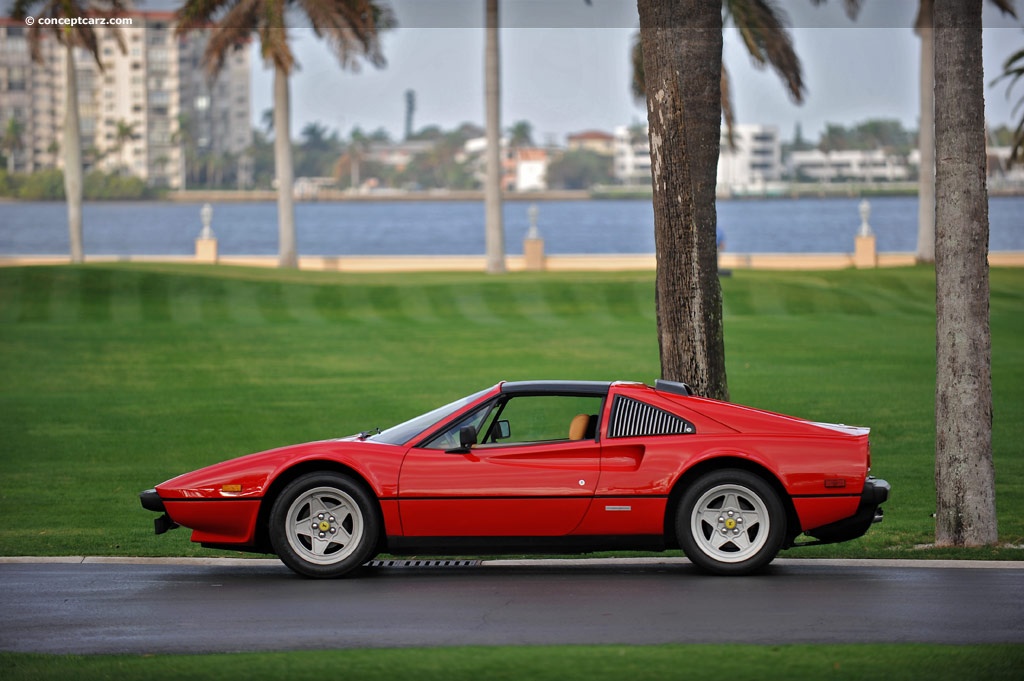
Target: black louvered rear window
x=633 y=418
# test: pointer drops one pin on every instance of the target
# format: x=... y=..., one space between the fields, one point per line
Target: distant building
x=398 y=154
x=632 y=164
x=18 y=94
x=523 y=169
x=531 y=169
x=876 y=165
x=1000 y=171
x=592 y=140
x=754 y=160
x=144 y=112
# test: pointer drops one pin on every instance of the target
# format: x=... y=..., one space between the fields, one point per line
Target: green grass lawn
x=557 y=663
x=117 y=377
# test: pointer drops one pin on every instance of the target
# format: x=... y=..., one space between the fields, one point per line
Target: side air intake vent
x=632 y=418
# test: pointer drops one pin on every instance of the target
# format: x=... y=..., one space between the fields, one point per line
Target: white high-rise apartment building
x=755 y=161
x=632 y=160
x=144 y=112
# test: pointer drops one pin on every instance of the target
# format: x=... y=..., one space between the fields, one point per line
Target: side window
x=543 y=418
x=449 y=439
x=526 y=419
x=633 y=418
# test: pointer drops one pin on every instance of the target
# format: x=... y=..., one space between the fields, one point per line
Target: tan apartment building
x=596 y=141
x=151 y=109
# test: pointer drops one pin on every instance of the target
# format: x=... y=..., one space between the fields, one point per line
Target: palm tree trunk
x=964 y=474
x=682 y=53
x=73 y=158
x=494 y=229
x=926 y=137
x=287 y=256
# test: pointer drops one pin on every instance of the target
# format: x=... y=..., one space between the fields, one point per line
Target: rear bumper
x=869 y=511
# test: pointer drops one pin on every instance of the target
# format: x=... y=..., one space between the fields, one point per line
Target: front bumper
x=151 y=501
x=869 y=512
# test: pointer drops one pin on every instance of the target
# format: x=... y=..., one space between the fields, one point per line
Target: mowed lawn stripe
x=29 y=298
x=442 y=301
x=883 y=292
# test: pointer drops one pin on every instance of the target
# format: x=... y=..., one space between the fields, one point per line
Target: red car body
x=629 y=479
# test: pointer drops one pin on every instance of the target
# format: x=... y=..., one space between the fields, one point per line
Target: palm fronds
x=1013 y=69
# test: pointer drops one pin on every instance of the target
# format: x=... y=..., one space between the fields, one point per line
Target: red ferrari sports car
x=542 y=467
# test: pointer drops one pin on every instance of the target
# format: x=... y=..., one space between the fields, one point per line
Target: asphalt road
x=189 y=607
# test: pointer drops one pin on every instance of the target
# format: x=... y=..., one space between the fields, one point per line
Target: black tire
x=730 y=522
x=324 y=525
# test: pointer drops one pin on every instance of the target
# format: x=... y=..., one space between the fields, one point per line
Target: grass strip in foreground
x=887 y=662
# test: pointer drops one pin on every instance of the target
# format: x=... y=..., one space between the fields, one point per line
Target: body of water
x=805 y=225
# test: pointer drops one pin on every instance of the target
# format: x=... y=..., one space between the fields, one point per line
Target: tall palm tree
x=13 y=141
x=681 y=44
x=185 y=138
x=358 y=146
x=520 y=134
x=923 y=26
x=677 y=66
x=964 y=476
x=926 y=136
x=494 y=228
x=124 y=133
x=762 y=27
x=70 y=37
x=352 y=29
x=1013 y=69
x=410 y=110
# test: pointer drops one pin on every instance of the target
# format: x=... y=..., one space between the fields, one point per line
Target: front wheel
x=324 y=525
x=730 y=522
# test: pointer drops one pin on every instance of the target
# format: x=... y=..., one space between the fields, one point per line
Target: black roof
x=556 y=387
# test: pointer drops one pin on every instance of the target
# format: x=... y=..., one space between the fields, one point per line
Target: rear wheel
x=324 y=525
x=731 y=522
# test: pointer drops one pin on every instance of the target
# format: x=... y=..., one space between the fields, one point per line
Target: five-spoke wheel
x=730 y=522
x=324 y=525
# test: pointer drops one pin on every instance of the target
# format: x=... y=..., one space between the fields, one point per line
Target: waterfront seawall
x=516 y=263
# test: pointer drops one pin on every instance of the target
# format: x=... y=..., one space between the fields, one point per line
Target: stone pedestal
x=865 y=253
x=533 y=254
x=206 y=251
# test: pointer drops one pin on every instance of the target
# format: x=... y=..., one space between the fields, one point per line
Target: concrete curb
x=540 y=562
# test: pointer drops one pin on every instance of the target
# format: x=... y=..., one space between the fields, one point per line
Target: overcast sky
x=565 y=68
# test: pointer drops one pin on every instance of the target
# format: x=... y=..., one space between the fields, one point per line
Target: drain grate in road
x=421 y=563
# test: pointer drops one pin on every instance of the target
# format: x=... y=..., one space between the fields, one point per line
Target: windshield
x=403 y=432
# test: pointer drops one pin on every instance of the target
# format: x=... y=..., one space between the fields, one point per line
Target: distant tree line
x=441 y=164
x=324 y=153
x=872 y=134
x=888 y=134
x=48 y=185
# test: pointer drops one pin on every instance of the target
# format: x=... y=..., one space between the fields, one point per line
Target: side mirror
x=467 y=437
x=504 y=431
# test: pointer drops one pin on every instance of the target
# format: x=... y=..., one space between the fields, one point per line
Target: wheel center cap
x=730 y=524
x=324 y=526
